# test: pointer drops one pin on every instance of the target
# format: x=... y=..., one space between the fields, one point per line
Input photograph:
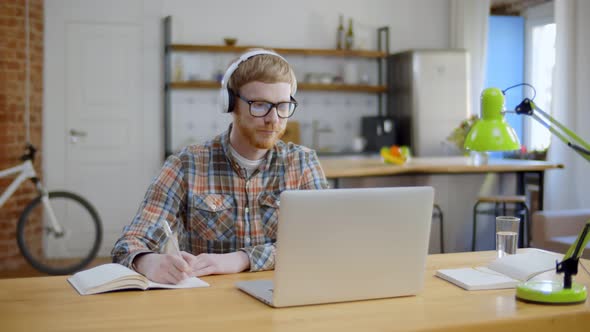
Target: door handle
x=75 y=135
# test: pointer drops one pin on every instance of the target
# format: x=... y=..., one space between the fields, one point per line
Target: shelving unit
x=300 y=86
x=379 y=55
x=283 y=51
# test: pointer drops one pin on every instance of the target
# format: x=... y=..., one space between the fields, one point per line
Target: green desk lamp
x=492 y=133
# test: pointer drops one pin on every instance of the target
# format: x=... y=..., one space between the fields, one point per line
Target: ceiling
x=513 y=7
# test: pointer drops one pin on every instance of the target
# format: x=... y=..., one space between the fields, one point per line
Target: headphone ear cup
x=223 y=100
x=231 y=100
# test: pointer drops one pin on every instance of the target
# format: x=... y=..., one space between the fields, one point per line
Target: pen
x=172 y=244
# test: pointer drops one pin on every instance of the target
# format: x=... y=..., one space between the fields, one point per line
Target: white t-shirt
x=249 y=165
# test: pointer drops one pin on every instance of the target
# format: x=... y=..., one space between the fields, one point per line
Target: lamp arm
x=528 y=107
x=577 y=248
x=581 y=151
x=585 y=146
x=569 y=265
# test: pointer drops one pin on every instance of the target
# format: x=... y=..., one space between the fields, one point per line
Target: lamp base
x=551 y=292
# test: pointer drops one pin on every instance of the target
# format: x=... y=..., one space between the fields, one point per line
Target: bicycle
x=50 y=233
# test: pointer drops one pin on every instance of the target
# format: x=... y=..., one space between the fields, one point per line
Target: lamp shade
x=491 y=132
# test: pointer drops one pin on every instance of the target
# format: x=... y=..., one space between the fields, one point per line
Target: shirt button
x=246 y=210
x=247 y=240
x=214 y=206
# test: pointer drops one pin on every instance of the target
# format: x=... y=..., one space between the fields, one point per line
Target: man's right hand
x=162 y=268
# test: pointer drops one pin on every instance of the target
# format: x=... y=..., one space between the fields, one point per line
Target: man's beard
x=255 y=139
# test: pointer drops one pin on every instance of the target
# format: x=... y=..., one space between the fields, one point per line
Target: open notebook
x=505 y=272
x=111 y=277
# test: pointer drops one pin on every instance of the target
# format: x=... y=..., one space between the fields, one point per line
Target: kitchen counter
x=347 y=166
x=359 y=166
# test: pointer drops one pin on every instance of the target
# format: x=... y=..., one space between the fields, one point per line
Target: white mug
x=350 y=74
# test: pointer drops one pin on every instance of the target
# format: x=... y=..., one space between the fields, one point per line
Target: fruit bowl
x=397 y=155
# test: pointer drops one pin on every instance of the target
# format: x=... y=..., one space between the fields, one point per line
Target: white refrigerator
x=428 y=97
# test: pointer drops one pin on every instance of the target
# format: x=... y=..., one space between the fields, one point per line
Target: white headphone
x=226 y=99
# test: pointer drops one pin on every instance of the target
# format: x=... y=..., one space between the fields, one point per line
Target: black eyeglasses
x=260 y=109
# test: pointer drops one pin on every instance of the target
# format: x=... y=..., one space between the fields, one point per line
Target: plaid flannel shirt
x=203 y=193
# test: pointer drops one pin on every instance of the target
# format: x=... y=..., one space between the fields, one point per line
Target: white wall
x=306 y=24
x=309 y=23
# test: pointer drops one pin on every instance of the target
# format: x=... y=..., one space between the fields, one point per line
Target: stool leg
x=528 y=224
x=442 y=238
x=497 y=213
x=439 y=213
x=474 y=226
x=521 y=228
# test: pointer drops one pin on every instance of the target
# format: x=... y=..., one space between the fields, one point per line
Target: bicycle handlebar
x=30 y=151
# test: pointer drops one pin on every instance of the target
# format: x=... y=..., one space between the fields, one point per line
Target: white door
x=93 y=121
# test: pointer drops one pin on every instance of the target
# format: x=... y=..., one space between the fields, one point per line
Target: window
x=540 y=64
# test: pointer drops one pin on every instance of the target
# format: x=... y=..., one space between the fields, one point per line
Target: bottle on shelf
x=340 y=34
x=178 y=70
x=349 y=36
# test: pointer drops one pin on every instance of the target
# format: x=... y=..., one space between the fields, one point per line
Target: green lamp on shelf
x=493 y=133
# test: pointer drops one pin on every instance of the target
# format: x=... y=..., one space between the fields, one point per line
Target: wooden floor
x=28 y=271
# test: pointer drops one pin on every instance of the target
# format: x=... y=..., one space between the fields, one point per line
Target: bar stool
x=437 y=213
x=519 y=208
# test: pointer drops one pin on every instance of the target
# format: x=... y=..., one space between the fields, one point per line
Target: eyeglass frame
x=272 y=105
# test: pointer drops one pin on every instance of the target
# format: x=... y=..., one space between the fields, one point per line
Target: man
x=222 y=197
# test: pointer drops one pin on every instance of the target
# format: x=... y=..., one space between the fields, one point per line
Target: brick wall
x=12 y=112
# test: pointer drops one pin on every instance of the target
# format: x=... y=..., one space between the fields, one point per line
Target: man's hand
x=206 y=264
x=162 y=268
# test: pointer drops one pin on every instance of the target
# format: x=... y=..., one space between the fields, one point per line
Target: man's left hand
x=207 y=264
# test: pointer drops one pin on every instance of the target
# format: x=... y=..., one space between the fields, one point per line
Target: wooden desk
x=337 y=168
x=50 y=303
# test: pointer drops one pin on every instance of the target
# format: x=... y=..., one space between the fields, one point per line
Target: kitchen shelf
x=300 y=86
x=283 y=51
x=378 y=56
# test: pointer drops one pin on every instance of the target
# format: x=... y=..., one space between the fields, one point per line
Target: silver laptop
x=340 y=245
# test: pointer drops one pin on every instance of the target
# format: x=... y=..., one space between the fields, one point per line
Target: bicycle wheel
x=64 y=253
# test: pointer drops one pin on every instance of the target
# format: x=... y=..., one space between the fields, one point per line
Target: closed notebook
x=112 y=277
x=505 y=272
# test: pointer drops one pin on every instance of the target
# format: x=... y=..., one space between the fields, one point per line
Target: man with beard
x=222 y=197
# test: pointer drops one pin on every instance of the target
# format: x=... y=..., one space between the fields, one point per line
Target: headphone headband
x=225 y=97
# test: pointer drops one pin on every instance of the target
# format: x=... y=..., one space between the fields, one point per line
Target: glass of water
x=506 y=235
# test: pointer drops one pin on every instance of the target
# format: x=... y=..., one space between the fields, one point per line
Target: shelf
x=341 y=87
x=300 y=86
x=282 y=51
x=195 y=85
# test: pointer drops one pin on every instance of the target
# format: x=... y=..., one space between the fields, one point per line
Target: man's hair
x=266 y=68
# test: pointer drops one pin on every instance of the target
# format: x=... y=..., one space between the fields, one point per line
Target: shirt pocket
x=269 y=213
x=214 y=216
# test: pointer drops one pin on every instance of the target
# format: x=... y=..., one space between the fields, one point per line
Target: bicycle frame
x=26 y=171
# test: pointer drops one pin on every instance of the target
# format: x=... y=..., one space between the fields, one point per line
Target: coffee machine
x=378 y=131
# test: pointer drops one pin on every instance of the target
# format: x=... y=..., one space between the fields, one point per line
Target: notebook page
x=105 y=274
x=192 y=282
x=476 y=278
x=525 y=266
